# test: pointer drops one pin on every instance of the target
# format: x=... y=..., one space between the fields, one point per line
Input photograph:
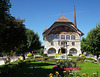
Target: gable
x=61 y=29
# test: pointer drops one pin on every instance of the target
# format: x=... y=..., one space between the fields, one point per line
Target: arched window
x=51 y=36
x=73 y=51
x=72 y=36
x=62 y=36
x=51 y=51
x=67 y=36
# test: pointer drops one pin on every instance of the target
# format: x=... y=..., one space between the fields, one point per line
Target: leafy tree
x=83 y=45
x=4 y=13
x=93 y=41
x=13 y=35
x=32 y=42
x=4 y=16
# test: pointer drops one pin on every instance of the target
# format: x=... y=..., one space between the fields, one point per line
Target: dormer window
x=73 y=37
x=57 y=36
x=67 y=36
x=51 y=36
x=62 y=36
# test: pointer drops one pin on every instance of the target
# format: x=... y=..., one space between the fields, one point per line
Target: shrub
x=82 y=59
x=29 y=54
x=70 y=54
x=45 y=55
x=65 y=64
x=82 y=55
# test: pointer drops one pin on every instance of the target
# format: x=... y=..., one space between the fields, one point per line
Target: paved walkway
x=12 y=59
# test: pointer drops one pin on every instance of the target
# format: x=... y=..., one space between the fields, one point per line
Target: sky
x=41 y=14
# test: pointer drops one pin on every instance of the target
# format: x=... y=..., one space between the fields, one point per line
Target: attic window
x=57 y=36
x=62 y=36
x=51 y=36
x=67 y=36
x=73 y=37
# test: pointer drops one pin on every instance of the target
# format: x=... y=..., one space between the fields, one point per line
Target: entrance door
x=63 y=50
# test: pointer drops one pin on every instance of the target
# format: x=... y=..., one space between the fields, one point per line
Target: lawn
x=42 y=69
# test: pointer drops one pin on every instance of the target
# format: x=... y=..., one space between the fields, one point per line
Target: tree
x=32 y=43
x=83 y=45
x=4 y=13
x=4 y=16
x=13 y=35
x=93 y=41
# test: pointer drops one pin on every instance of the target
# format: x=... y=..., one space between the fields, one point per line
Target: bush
x=66 y=64
x=45 y=55
x=82 y=59
x=82 y=55
x=70 y=54
x=29 y=54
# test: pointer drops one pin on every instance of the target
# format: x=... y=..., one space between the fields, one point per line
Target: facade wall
x=56 y=46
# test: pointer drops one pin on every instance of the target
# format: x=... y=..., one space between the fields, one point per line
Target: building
x=62 y=35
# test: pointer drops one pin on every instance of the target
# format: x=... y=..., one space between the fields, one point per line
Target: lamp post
x=65 y=45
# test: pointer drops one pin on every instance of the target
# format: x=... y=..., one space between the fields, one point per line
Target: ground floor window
x=51 y=51
x=73 y=51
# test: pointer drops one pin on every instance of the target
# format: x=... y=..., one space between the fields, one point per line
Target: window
x=51 y=51
x=73 y=43
x=58 y=42
x=73 y=37
x=62 y=43
x=52 y=43
x=62 y=36
x=67 y=36
x=51 y=36
x=73 y=51
x=57 y=36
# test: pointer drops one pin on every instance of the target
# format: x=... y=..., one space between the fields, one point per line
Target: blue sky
x=41 y=14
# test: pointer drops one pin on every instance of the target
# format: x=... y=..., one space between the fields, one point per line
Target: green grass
x=43 y=69
x=89 y=68
x=73 y=57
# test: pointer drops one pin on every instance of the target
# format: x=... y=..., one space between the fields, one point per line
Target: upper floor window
x=51 y=36
x=52 y=43
x=62 y=36
x=57 y=36
x=67 y=36
x=72 y=36
x=73 y=43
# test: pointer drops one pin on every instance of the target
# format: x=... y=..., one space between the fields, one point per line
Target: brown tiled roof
x=63 y=19
x=45 y=30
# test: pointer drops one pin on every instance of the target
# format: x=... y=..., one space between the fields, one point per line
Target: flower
x=78 y=76
x=57 y=72
x=94 y=73
x=83 y=74
x=68 y=70
x=64 y=71
x=71 y=73
x=50 y=74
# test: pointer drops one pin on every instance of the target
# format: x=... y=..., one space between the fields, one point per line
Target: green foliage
x=64 y=64
x=93 y=41
x=39 y=51
x=82 y=55
x=83 y=45
x=29 y=54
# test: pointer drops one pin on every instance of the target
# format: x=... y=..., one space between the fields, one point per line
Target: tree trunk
x=23 y=56
x=97 y=56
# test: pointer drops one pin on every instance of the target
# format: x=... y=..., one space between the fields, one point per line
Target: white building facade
x=62 y=35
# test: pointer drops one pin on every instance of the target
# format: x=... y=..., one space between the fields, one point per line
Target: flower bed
x=70 y=68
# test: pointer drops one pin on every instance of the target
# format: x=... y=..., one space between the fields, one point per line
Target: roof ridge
x=62 y=19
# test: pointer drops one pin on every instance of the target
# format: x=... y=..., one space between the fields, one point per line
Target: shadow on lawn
x=40 y=70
